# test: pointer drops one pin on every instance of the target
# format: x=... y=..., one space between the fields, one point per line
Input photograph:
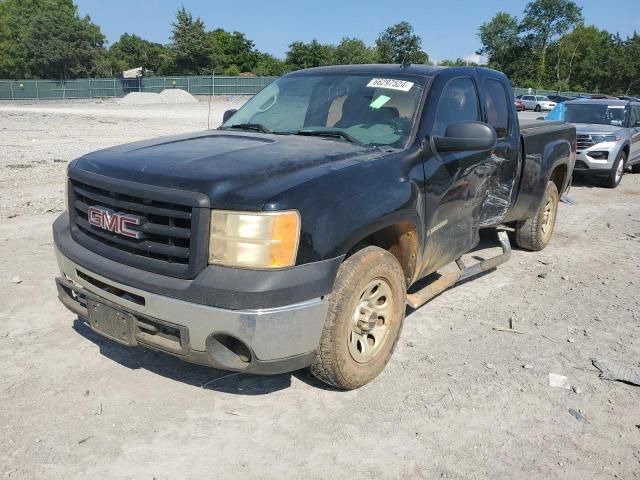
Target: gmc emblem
x=114 y=222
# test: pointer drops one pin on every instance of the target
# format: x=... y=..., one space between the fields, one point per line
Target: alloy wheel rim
x=619 y=171
x=371 y=321
x=548 y=217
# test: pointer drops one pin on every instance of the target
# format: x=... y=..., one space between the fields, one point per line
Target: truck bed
x=529 y=127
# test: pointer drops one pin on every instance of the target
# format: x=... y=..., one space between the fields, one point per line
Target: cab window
x=496 y=105
x=458 y=103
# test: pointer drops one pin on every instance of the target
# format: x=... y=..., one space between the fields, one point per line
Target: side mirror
x=228 y=114
x=466 y=136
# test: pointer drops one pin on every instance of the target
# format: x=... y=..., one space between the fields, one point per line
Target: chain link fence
x=196 y=85
x=119 y=87
x=537 y=91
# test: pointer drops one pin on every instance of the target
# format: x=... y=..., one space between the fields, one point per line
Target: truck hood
x=236 y=170
x=594 y=128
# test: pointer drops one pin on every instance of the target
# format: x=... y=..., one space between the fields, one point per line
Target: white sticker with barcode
x=390 y=84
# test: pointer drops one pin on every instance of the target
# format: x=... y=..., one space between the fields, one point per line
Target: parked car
x=560 y=98
x=537 y=103
x=519 y=105
x=289 y=237
x=632 y=99
x=608 y=136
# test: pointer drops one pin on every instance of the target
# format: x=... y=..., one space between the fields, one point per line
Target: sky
x=448 y=28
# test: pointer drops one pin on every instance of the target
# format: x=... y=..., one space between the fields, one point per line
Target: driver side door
x=456 y=182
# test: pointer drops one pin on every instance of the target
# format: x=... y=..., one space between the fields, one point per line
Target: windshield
x=543 y=99
x=350 y=107
x=594 y=113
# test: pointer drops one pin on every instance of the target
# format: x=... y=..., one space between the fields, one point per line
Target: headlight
x=605 y=138
x=254 y=239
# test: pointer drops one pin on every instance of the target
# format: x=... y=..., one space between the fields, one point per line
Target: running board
x=419 y=298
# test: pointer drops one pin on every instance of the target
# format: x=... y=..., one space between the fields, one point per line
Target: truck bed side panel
x=544 y=147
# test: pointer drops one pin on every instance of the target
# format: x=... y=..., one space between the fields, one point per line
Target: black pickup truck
x=293 y=235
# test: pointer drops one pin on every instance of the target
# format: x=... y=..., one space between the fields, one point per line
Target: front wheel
x=614 y=177
x=366 y=312
x=535 y=232
x=538 y=108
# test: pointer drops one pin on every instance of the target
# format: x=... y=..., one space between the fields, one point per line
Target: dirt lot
x=456 y=401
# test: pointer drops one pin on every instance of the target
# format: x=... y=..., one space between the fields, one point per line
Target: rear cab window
x=497 y=107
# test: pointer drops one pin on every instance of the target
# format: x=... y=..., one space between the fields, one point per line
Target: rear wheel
x=535 y=232
x=366 y=312
x=614 y=177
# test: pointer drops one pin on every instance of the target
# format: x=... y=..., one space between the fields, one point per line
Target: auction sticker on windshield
x=390 y=84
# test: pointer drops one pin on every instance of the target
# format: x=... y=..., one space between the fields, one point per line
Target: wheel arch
x=626 y=148
x=399 y=236
x=559 y=176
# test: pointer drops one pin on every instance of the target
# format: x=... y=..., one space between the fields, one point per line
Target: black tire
x=334 y=362
x=617 y=171
x=635 y=168
x=538 y=108
x=535 y=232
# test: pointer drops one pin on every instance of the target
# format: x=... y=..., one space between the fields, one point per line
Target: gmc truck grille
x=584 y=142
x=168 y=232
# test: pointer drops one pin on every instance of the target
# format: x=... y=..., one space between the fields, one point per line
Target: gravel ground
x=460 y=399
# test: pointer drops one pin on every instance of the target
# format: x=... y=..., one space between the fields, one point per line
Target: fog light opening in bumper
x=599 y=155
x=228 y=351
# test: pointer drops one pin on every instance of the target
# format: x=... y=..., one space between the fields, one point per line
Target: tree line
x=551 y=47
x=49 y=39
x=548 y=47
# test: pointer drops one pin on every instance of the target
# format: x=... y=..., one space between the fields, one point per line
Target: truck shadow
x=191 y=374
x=586 y=181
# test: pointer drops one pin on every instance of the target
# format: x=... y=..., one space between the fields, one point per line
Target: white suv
x=537 y=102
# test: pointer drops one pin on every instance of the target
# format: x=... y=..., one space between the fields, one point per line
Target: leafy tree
x=546 y=20
x=232 y=71
x=399 y=44
x=353 y=51
x=627 y=66
x=269 y=65
x=190 y=46
x=579 y=57
x=232 y=49
x=58 y=43
x=458 y=62
x=131 y=51
x=15 y=18
x=500 y=39
x=308 y=55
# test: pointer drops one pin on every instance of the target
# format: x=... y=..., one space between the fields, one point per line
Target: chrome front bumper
x=278 y=339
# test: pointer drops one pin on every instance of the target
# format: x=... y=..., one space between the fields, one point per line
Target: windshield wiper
x=258 y=127
x=330 y=133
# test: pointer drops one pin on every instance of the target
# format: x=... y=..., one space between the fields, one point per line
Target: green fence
x=196 y=85
x=118 y=87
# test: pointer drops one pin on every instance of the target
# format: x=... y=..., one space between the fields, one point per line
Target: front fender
x=343 y=207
